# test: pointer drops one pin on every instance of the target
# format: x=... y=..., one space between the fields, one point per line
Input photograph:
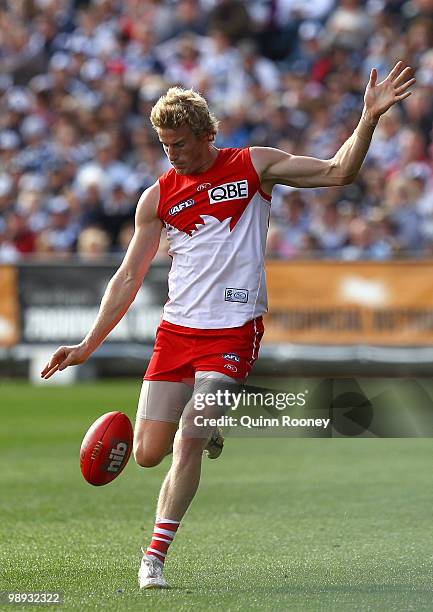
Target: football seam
x=115 y=415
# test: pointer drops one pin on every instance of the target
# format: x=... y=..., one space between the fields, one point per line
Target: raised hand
x=65 y=356
x=379 y=97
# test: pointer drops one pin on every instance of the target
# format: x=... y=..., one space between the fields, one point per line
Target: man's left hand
x=379 y=97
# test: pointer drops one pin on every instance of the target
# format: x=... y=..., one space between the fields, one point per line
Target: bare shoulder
x=263 y=157
x=147 y=207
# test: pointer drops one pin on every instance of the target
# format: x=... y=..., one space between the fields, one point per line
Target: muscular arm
x=122 y=288
x=274 y=166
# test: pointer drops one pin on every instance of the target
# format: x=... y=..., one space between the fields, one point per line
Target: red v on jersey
x=223 y=191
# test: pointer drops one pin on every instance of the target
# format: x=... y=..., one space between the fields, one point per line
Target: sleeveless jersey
x=216 y=223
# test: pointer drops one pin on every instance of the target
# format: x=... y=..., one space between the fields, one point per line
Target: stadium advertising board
x=313 y=302
x=8 y=306
x=59 y=303
x=350 y=303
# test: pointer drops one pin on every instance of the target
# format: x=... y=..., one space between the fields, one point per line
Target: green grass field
x=278 y=524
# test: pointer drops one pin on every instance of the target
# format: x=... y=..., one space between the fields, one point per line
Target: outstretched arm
x=274 y=166
x=122 y=288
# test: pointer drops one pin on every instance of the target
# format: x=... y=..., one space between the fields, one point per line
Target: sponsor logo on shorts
x=231 y=367
x=232 y=357
x=177 y=208
x=228 y=191
x=204 y=186
x=236 y=295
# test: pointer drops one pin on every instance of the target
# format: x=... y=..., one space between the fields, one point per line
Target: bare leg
x=181 y=483
x=159 y=409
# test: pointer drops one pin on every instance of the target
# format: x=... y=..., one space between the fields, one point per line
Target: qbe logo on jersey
x=228 y=191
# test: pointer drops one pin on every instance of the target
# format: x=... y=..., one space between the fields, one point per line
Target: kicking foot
x=215 y=445
x=150 y=574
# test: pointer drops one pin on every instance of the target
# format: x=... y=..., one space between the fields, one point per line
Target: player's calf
x=153 y=440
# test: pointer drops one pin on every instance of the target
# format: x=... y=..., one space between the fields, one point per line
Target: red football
x=106 y=448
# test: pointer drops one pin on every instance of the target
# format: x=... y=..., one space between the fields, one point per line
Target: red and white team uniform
x=216 y=223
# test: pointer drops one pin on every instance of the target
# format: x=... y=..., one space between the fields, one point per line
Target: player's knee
x=187 y=450
x=147 y=457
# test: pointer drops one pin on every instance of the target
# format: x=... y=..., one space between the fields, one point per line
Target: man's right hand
x=65 y=356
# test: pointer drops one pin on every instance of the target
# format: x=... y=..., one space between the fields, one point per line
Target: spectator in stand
x=187 y=18
x=232 y=18
x=186 y=66
x=62 y=228
x=257 y=69
x=19 y=234
x=349 y=26
x=7 y=193
x=400 y=199
x=295 y=225
x=140 y=56
x=9 y=253
x=385 y=149
x=232 y=131
x=93 y=244
x=221 y=63
x=9 y=146
x=328 y=228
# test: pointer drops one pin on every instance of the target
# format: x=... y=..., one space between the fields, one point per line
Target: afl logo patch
x=231 y=367
x=203 y=186
x=232 y=357
x=177 y=208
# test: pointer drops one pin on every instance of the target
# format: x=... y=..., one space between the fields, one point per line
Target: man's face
x=186 y=152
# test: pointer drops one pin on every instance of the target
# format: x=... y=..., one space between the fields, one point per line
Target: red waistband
x=194 y=331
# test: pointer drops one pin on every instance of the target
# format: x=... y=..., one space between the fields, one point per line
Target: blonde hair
x=180 y=107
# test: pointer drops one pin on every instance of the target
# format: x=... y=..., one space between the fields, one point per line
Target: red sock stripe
x=167 y=526
x=160 y=546
x=155 y=554
x=161 y=536
x=161 y=541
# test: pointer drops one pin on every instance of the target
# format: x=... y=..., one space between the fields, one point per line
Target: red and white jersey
x=217 y=223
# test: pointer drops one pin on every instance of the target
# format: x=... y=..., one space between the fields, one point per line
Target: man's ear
x=207 y=137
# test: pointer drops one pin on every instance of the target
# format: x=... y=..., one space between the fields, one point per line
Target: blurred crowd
x=78 y=79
